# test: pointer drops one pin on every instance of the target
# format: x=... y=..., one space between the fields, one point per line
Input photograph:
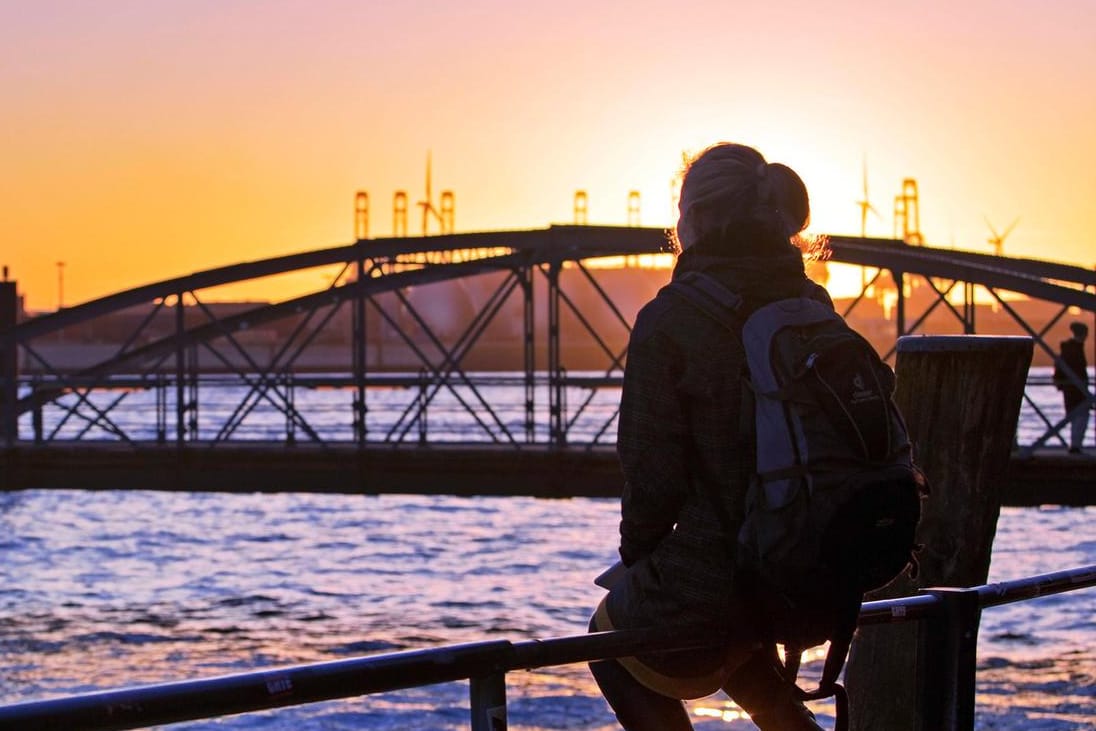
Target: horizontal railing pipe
x=1007 y=592
x=172 y=702
x=889 y=611
x=297 y=685
x=232 y=694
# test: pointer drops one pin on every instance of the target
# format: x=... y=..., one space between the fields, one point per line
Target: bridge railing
x=403 y=409
x=947 y=700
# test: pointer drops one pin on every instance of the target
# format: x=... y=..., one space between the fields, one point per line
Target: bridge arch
x=534 y=272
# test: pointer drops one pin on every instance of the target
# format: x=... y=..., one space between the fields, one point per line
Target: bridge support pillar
x=529 y=353
x=969 y=308
x=9 y=364
x=557 y=435
x=358 y=350
x=180 y=371
x=899 y=278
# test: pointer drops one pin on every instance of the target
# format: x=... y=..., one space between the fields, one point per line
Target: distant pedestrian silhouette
x=1071 y=378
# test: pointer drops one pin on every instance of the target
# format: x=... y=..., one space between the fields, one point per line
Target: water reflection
x=112 y=589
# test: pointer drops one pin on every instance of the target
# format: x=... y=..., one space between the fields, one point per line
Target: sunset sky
x=145 y=139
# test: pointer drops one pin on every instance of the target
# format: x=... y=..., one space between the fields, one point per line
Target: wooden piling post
x=960 y=396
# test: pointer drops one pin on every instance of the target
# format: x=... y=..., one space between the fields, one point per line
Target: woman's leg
x=1078 y=420
x=1078 y=426
x=762 y=692
x=637 y=707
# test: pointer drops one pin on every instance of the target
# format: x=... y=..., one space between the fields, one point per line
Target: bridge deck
x=1048 y=477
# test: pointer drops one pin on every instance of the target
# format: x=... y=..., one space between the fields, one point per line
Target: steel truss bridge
x=185 y=373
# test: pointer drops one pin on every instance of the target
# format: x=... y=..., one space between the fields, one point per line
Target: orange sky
x=144 y=140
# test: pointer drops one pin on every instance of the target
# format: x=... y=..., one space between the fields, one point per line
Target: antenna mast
x=446 y=215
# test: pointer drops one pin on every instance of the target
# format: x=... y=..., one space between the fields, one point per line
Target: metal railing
x=490 y=407
x=318 y=408
x=946 y=702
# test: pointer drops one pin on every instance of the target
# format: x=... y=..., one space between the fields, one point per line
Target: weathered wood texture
x=961 y=398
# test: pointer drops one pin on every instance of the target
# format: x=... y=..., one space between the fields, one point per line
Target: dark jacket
x=1073 y=356
x=682 y=444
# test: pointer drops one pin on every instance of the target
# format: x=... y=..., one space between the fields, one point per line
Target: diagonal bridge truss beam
x=375 y=290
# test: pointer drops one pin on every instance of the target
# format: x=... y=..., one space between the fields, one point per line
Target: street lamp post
x=60 y=284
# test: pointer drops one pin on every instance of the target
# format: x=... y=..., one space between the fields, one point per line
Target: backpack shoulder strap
x=711 y=297
x=726 y=307
x=718 y=302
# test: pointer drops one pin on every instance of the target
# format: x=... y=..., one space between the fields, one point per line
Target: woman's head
x=729 y=186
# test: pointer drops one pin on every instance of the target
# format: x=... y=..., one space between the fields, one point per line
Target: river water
x=110 y=589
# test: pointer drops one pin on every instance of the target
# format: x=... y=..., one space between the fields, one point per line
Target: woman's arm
x=652 y=438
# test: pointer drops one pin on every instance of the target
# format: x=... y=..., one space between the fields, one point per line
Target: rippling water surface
x=108 y=589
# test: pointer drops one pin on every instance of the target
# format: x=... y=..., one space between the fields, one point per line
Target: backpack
x=833 y=505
